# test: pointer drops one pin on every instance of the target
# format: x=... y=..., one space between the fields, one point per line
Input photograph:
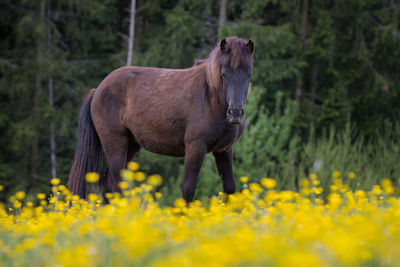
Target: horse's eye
x=223 y=74
x=249 y=75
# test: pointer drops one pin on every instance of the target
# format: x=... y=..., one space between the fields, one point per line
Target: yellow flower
x=62 y=188
x=133 y=166
x=180 y=203
x=316 y=182
x=286 y=195
x=55 y=181
x=123 y=185
x=147 y=187
x=155 y=180
x=77 y=256
x=127 y=175
x=268 y=183
x=257 y=229
x=255 y=188
x=17 y=204
x=244 y=179
x=29 y=243
x=387 y=186
x=53 y=200
x=336 y=174
x=334 y=188
x=376 y=190
x=359 y=193
x=304 y=183
x=351 y=175
x=20 y=195
x=196 y=203
x=337 y=181
x=136 y=190
x=140 y=176
x=1 y=187
x=318 y=190
x=92 y=177
x=92 y=197
x=305 y=191
x=300 y=258
x=334 y=199
x=313 y=176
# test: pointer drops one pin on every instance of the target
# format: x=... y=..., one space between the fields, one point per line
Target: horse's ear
x=223 y=45
x=250 y=46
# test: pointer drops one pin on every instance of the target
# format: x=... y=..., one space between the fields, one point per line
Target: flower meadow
x=258 y=226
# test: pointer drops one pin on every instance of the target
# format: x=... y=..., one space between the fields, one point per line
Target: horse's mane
x=236 y=54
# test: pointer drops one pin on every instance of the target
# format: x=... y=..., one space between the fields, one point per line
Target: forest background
x=325 y=86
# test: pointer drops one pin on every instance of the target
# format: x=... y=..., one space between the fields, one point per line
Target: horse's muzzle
x=235 y=115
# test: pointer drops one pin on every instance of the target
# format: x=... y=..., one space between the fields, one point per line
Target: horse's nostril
x=235 y=111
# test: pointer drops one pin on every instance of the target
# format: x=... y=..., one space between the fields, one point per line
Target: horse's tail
x=89 y=153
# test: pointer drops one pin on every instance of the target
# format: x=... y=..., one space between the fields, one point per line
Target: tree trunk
x=53 y=161
x=36 y=101
x=222 y=16
x=299 y=84
x=299 y=80
x=131 y=32
x=314 y=82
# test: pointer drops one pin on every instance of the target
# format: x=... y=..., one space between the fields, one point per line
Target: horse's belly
x=162 y=148
x=165 y=141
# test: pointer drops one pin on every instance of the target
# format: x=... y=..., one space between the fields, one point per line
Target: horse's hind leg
x=118 y=150
x=115 y=151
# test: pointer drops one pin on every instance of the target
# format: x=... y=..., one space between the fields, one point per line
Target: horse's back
x=139 y=87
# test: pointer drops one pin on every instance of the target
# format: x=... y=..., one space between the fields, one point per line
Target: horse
x=175 y=112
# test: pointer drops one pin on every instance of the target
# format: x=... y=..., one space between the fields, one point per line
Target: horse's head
x=234 y=60
x=236 y=76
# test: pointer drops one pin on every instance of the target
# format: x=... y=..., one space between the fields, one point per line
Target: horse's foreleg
x=194 y=156
x=224 y=165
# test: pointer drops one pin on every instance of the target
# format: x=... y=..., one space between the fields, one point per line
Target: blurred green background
x=325 y=86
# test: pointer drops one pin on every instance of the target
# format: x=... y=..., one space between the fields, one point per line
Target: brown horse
x=184 y=113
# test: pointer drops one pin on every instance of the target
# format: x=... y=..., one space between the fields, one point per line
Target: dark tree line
x=319 y=64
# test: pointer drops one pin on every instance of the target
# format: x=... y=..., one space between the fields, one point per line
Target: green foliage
x=346 y=151
x=45 y=42
x=268 y=147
